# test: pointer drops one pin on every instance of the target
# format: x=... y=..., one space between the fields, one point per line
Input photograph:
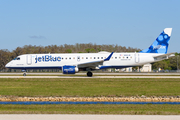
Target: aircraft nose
x=7 y=65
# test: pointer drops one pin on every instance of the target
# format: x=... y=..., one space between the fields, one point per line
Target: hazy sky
x=130 y=23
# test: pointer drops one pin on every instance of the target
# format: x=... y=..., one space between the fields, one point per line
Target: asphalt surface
x=89 y=77
x=87 y=117
x=123 y=73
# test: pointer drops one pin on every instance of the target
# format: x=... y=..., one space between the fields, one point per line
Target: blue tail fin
x=160 y=45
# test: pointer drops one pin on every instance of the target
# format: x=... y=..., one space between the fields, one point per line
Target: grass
x=89 y=87
x=148 y=109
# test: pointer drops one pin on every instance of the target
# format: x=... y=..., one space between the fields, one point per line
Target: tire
x=89 y=74
x=24 y=74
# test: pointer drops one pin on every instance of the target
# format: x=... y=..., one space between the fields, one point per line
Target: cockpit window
x=18 y=58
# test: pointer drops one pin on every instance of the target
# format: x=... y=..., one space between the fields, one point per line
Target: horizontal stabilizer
x=164 y=56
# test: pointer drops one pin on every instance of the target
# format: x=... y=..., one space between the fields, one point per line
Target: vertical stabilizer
x=160 y=45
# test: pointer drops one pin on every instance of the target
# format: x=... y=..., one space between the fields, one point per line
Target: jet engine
x=69 y=69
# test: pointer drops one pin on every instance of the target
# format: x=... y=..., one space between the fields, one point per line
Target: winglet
x=108 y=58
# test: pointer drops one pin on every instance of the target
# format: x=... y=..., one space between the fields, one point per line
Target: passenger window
x=94 y=57
x=98 y=58
x=69 y=58
x=62 y=58
x=86 y=57
x=115 y=57
x=90 y=57
x=73 y=57
x=101 y=57
x=82 y=57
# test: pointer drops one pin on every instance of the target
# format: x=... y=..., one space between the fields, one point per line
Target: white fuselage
x=54 y=61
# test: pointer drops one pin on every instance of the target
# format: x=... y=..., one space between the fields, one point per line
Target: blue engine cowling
x=69 y=69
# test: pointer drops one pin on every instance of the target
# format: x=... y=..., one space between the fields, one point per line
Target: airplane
x=71 y=63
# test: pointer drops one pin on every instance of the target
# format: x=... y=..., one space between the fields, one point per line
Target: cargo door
x=29 y=59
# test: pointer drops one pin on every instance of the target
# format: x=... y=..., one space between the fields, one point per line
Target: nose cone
x=7 y=65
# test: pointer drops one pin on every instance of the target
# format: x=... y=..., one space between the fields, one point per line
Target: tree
x=68 y=51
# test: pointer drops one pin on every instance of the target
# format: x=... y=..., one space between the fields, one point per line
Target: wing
x=94 y=63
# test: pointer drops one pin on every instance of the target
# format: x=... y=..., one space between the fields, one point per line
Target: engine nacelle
x=69 y=69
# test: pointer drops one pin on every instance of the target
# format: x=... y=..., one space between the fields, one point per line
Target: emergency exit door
x=136 y=57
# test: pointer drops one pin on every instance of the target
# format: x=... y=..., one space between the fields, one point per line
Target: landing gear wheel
x=24 y=74
x=89 y=74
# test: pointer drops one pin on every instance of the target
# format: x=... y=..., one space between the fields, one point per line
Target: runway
x=89 y=77
x=86 y=117
x=95 y=75
x=104 y=74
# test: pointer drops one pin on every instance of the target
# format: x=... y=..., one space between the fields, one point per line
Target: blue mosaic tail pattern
x=160 y=45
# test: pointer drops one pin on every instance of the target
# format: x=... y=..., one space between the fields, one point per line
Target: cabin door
x=29 y=59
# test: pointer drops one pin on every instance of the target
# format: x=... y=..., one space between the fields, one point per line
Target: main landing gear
x=24 y=74
x=89 y=74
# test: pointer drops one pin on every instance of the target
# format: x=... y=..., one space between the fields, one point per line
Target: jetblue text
x=47 y=58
